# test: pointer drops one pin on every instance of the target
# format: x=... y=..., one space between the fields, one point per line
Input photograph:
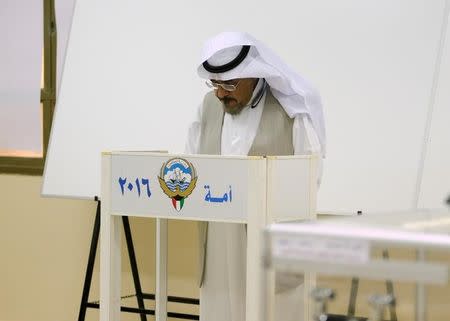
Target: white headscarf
x=294 y=93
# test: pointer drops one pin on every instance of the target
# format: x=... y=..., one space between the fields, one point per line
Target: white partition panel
x=435 y=188
x=291 y=188
x=130 y=83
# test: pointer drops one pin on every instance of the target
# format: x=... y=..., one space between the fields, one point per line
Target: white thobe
x=222 y=295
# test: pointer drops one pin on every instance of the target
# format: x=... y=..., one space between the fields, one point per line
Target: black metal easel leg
x=90 y=265
x=134 y=268
x=352 y=299
x=390 y=290
x=91 y=261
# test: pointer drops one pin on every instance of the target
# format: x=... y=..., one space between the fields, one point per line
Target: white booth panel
x=435 y=188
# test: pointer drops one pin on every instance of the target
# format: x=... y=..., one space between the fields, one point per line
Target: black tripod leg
x=134 y=269
x=352 y=299
x=90 y=265
x=390 y=290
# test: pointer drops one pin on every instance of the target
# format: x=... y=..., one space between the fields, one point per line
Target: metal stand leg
x=134 y=269
x=421 y=308
x=390 y=291
x=90 y=265
x=352 y=299
x=91 y=261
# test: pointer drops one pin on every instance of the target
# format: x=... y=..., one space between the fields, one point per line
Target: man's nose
x=221 y=93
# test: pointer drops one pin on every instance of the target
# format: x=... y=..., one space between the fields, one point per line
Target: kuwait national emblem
x=177 y=179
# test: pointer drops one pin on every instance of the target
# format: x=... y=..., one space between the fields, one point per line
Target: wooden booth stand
x=254 y=190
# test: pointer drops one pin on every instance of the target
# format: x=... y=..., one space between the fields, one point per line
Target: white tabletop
x=429 y=229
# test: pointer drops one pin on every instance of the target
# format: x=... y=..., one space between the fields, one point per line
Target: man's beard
x=232 y=110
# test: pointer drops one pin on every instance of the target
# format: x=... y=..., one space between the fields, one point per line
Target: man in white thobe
x=258 y=106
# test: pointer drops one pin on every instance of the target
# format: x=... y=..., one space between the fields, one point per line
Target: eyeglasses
x=225 y=86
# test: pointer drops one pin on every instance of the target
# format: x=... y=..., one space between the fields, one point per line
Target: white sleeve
x=306 y=141
x=193 y=135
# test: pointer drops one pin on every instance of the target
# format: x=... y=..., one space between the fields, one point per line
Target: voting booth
x=256 y=191
x=344 y=247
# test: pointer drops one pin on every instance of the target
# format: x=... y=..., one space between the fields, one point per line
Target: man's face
x=234 y=101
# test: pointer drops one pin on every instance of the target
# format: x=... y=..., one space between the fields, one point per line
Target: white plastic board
x=130 y=83
x=435 y=187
